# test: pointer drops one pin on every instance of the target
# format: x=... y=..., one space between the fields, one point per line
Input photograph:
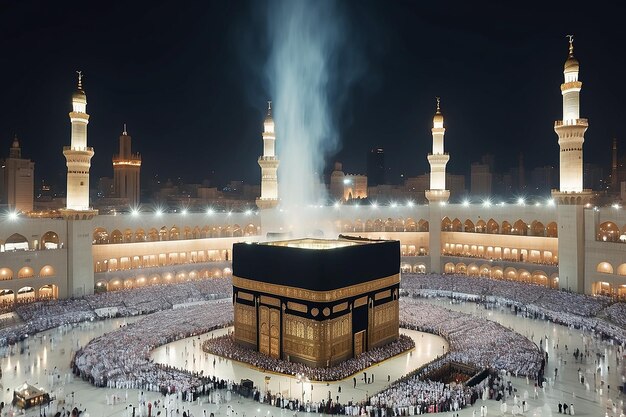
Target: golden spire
x=80 y=79
x=268 y=116
x=571 y=44
x=438 y=102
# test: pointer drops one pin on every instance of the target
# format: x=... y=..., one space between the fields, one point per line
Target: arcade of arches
x=147 y=279
x=380 y=225
x=102 y=237
x=612 y=288
x=162 y=259
x=49 y=240
x=518 y=227
x=27 y=294
x=496 y=272
x=497 y=253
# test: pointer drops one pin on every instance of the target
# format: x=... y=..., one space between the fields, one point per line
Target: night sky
x=189 y=79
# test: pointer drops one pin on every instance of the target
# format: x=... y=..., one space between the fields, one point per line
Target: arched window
x=5 y=274
x=537 y=228
x=609 y=232
x=49 y=240
x=446 y=225
x=100 y=236
x=605 y=268
x=48 y=292
x=47 y=271
x=117 y=237
x=493 y=227
x=26 y=272
x=552 y=230
x=469 y=226
x=16 y=242
x=520 y=228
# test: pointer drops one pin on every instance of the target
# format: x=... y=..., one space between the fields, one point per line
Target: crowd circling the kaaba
x=472 y=340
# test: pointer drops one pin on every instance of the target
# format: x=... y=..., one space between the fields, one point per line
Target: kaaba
x=316 y=301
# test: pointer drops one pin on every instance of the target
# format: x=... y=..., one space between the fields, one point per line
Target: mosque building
x=565 y=242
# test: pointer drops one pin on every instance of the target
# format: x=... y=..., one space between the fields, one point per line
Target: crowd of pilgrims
x=475 y=341
x=122 y=360
x=411 y=395
x=225 y=346
x=43 y=315
x=602 y=315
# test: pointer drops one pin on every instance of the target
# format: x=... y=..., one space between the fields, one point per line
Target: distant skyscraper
x=376 y=167
x=481 y=180
x=18 y=180
x=126 y=171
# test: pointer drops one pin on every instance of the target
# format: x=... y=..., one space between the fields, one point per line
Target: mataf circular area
x=129 y=355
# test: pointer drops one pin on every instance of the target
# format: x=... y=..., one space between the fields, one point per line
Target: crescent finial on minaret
x=438 y=102
x=80 y=79
x=571 y=44
x=124 y=132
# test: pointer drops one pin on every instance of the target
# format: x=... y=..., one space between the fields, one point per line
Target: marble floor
x=35 y=359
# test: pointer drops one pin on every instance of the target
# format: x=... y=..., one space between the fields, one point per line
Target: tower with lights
x=126 y=170
x=269 y=164
x=78 y=155
x=80 y=274
x=571 y=130
x=17 y=180
x=437 y=195
x=571 y=197
x=438 y=161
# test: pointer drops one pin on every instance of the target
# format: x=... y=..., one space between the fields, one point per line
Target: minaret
x=269 y=164
x=438 y=160
x=571 y=130
x=78 y=155
x=79 y=216
x=126 y=171
x=437 y=195
x=571 y=197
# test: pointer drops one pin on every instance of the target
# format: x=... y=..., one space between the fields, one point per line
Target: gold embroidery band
x=315 y=296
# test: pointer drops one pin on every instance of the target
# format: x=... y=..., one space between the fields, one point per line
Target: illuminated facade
x=269 y=164
x=563 y=243
x=126 y=170
x=344 y=303
x=347 y=187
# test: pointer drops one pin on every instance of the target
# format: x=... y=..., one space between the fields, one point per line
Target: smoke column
x=305 y=39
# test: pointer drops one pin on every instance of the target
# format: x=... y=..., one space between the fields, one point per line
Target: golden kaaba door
x=359 y=343
x=269 y=331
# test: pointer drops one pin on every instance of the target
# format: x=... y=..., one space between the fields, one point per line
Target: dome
x=571 y=64
x=438 y=118
x=79 y=95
